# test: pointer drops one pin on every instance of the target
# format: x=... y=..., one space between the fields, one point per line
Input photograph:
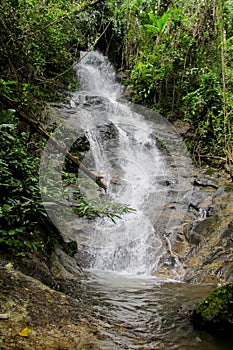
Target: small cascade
x=97 y=76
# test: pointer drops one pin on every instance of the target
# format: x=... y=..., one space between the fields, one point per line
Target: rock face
x=200 y=245
x=211 y=255
x=63 y=265
x=215 y=313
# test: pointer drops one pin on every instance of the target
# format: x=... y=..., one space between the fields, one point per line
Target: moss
x=215 y=313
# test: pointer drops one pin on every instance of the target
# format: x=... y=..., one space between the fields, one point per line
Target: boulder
x=215 y=313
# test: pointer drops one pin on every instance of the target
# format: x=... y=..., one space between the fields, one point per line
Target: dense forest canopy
x=179 y=59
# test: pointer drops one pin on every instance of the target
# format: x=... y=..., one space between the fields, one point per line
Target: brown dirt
x=56 y=321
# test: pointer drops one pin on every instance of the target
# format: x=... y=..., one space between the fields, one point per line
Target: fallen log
x=38 y=128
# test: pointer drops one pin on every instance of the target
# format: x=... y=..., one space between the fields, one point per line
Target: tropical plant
x=179 y=55
x=20 y=205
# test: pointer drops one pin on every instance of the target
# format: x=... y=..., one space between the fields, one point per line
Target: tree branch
x=38 y=128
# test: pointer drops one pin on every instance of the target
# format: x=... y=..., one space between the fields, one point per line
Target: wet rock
x=205 y=183
x=199 y=230
x=71 y=248
x=168 y=262
x=88 y=101
x=122 y=75
x=167 y=182
x=37 y=268
x=180 y=246
x=181 y=126
x=127 y=92
x=211 y=210
x=201 y=201
x=107 y=131
x=83 y=257
x=211 y=255
x=215 y=313
x=81 y=144
x=185 y=311
x=65 y=265
x=223 y=196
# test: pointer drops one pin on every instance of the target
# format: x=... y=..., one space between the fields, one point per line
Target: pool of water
x=140 y=312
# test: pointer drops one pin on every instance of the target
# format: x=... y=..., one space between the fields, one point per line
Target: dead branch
x=39 y=129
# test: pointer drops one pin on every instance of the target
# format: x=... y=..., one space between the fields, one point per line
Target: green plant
x=204 y=109
x=158 y=25
x=180 y=64
x=40 y=42
x=20 y=204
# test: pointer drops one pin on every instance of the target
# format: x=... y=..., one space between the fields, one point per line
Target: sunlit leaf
x=25 y=332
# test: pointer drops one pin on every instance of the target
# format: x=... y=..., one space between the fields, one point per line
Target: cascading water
x=124 y=151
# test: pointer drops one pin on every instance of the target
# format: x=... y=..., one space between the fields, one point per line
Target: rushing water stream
x=133 y=306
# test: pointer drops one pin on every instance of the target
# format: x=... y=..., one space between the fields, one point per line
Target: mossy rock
x=215 y=313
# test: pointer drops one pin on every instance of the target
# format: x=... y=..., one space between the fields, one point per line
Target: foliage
x=20 y=205
x=25 y=332
x=40 y=42
x=179 y=55
x=204 y=108
x=99 y=206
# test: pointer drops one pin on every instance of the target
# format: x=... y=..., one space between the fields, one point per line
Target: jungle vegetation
x=178 y=55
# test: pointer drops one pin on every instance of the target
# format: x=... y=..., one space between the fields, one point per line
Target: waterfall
x=130 y=165
x=155 y=182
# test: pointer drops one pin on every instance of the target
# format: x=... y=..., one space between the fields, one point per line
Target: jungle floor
x=33 y=316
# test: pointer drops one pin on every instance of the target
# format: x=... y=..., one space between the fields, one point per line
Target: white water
x=130 y=164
